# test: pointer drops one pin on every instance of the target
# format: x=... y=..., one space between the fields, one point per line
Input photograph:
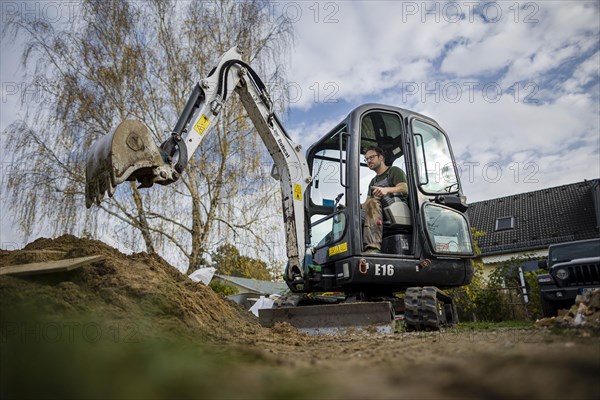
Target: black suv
x=573 y=268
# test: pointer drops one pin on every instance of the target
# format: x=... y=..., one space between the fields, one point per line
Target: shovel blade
x=333 y=318
x=126 y=154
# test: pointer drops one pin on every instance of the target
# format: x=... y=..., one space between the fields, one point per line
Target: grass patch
x=495 y=325
x=470 y=326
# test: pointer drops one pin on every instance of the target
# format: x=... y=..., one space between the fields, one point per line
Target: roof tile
x=542 y=217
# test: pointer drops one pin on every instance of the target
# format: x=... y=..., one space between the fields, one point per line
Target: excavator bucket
x=127 y=154
x=333 y=318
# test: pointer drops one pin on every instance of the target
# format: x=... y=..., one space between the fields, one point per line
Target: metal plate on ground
x=49 y=267
x=377 y=317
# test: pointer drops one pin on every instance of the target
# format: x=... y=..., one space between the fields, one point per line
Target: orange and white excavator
x=427 y=244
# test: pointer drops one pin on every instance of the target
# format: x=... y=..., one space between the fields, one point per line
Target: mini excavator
x=427 y=244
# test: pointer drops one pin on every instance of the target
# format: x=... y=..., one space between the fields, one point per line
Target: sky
x=514 y=84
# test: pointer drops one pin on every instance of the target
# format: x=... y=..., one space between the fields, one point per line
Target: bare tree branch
x=120 y=61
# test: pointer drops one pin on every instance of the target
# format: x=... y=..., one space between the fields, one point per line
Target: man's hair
x=376 y=149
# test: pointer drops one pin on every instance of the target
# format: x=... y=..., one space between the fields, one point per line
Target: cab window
x=434 y=161
x=384 y=130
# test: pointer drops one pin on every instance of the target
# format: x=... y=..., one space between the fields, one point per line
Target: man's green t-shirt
x=391 y=177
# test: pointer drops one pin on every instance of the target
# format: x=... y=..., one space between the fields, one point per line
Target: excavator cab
x=426 y=235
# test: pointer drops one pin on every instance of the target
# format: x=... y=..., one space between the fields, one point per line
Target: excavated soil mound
x=140 y=291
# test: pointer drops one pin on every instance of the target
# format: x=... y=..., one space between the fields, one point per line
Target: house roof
x=542 y=217
x=255 y=285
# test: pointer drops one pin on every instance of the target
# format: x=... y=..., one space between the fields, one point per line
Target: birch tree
x=139 y=60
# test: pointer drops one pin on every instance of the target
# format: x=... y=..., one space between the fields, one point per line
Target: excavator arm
x=129 y=152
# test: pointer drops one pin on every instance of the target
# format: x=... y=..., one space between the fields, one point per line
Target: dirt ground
x=134 y=327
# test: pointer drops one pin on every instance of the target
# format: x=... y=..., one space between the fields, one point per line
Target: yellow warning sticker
x=297 y=192
x=340 y=248
x=202 y=125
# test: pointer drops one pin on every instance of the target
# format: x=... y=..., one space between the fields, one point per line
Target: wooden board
x=49 y=267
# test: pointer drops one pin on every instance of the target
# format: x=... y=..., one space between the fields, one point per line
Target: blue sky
x=515 y=84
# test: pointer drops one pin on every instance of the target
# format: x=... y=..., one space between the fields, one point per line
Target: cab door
x=384 y=129
x=326 y=203
x=444 y=227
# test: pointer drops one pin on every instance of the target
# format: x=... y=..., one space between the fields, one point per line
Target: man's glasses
x=367 y=159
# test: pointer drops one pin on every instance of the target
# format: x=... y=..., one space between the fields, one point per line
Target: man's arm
x=398 y=179
x=400 y=187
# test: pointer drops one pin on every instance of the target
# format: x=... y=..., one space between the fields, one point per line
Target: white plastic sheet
x=262 y=302
x=203 y=275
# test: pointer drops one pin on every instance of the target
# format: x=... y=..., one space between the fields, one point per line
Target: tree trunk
x=201 y=230
x=142 y=222
x=198 y=229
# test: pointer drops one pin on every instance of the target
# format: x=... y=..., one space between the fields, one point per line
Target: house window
x=505 y=223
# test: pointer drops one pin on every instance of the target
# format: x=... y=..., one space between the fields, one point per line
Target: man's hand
x=378 y=192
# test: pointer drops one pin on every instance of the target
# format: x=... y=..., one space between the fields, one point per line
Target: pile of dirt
x=584 y=314
x=142 y=291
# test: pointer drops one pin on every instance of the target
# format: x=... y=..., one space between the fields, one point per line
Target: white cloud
x=506 y=147
x=562 y=31
x=541 y=131
x=527 y=172
x=585 y=73
x=370 y=49
x=375 y=46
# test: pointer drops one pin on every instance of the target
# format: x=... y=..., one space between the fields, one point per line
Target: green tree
x=222 y=288
x=503 y=299
x=491 y=301
x=465 y=297
x=229 y=261
x=533 y=289
x=488 y=299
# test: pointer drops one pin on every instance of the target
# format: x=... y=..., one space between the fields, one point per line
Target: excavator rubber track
x=428 y=308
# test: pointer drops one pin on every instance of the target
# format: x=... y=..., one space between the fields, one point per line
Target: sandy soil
x=136 y=323
x=491 y=363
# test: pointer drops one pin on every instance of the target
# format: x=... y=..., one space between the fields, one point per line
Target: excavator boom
x=129 y=153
